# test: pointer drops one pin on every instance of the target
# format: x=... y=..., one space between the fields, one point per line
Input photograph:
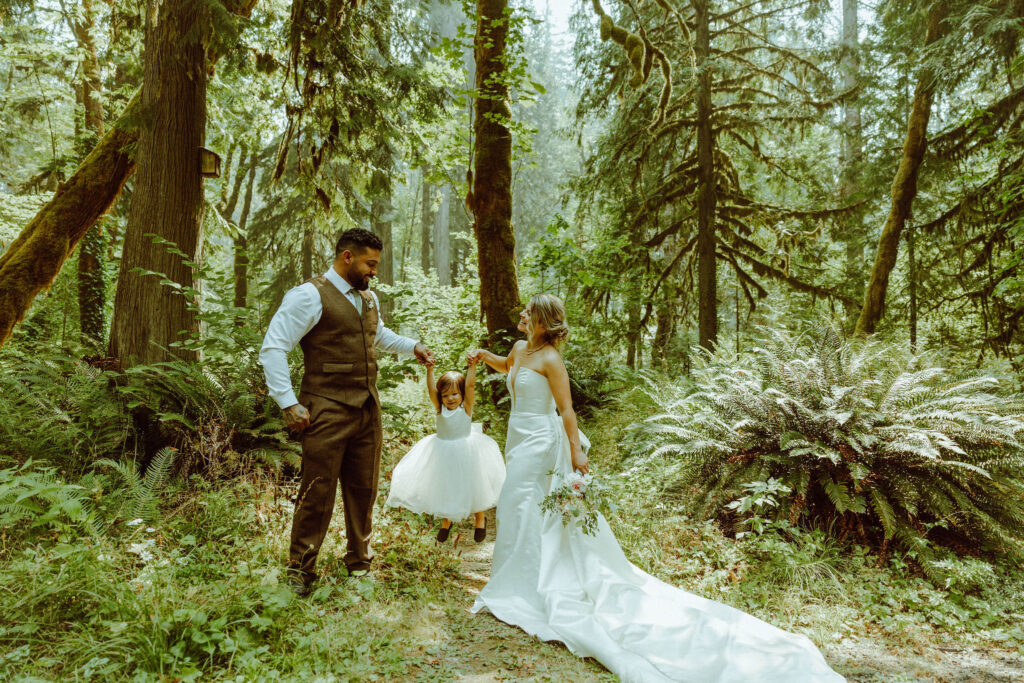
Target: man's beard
x=358 y=282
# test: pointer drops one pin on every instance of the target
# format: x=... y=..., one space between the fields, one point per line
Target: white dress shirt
x=301 y=309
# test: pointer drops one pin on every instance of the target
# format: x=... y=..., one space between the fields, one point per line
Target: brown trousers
x=343 y=444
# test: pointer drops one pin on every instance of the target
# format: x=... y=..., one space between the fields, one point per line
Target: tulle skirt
x=449 y=478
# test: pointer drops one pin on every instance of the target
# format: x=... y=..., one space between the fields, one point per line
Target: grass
x=198 y=592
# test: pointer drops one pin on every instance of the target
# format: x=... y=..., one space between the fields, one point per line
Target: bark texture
x=166 y=203
x=707 y=266
x=38 y=253
x=92 y=284
x=442 y=243
x=426 y=224
x=491 y=199
x=904 y=185
x=380 y=221
x=35 y=257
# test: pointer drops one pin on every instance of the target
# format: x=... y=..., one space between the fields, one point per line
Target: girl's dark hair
x=450 y=379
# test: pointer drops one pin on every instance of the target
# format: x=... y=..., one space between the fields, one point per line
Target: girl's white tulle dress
x=558 y=583
x=451 y=474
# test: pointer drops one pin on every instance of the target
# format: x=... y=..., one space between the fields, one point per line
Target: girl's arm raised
x=558 y=380
x=470 y=396
x=432 y=387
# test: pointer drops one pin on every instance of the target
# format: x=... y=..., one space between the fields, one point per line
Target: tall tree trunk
x=663 y=335
x=307 y=252
x=167 y=198
x=852 y=144
x=426 y=224
x=707 y=279
x=491 y=200
x=912 y=277
x=904 y=185
x=36 y=256
x=442 y=244
x=380 y=208
x=241 y=265
x=92 y=284
x=633 y=351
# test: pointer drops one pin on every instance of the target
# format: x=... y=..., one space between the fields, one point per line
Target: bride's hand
x=580 y=462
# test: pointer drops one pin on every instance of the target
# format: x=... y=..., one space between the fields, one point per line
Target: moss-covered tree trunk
x=92 y=284
x=491 y=198
x=150 y=316
x=707 y=273
x=36 y=256
x=241 y=262
x=904 y=185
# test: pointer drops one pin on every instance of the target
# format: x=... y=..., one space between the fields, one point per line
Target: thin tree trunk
x=492 y=175
x=707 y=280
x=904 y=185
x=442 y=245
x=36 y=256
x=632 y=334
x=426 y=224
x=92 y=284
x=852 y=144
x=912 y=276
x=229 y=200
x=241 y=265
x=380 y=209
x=663 y=335
x=167 y=198
x=307 y=252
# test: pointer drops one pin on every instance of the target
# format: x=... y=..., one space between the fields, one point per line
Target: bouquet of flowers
x=578 y=498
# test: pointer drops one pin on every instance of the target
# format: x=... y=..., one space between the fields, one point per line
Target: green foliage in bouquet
x=867 y=440
x=578 y=499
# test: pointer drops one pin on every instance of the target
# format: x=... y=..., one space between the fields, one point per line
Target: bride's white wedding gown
x=558 y=583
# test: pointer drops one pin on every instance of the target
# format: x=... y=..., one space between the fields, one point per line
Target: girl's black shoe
x=442 y=535
x=480 y=533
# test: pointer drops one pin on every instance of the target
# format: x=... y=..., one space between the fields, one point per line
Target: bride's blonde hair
x=549 y=311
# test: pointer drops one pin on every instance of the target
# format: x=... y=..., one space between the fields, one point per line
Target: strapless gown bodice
x=530 y=392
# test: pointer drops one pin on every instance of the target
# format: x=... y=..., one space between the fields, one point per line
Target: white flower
x=135 y=522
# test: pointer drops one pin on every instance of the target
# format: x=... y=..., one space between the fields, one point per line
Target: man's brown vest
x=341 y=359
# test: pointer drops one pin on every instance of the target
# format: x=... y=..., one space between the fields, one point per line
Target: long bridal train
x=560 y=584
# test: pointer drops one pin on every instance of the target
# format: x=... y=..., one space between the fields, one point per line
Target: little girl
x=459 y=470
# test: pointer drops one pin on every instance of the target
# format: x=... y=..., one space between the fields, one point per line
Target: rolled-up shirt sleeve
x=300 y=310
x=389 y=341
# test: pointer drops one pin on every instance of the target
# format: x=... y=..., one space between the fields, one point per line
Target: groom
x=334 y=318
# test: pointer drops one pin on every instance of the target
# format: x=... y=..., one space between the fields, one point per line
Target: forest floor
x=461 y=646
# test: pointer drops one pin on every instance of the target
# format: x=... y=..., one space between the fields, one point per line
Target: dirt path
x=479 y=648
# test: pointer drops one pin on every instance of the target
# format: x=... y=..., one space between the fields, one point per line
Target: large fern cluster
x=869 y=440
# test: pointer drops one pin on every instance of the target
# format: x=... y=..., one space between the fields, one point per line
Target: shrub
x=868 y=439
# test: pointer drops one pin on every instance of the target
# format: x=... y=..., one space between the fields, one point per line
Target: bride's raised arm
x=558 y=380
x=494 y=361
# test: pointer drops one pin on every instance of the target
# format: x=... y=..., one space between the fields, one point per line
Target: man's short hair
x=356 y=240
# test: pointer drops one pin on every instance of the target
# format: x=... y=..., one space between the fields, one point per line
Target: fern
x=142 y=490
x=855 y=428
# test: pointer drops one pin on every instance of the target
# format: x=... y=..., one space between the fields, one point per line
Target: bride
x=558 y=583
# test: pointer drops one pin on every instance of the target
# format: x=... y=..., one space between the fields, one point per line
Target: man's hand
x=472 y=358
x=423 y=354
x=297 y=417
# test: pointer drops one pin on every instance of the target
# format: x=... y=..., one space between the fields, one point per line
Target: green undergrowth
x=805 y=580
x=105 y=577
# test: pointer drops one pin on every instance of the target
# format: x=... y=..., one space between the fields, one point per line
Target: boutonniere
x=369 y=303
